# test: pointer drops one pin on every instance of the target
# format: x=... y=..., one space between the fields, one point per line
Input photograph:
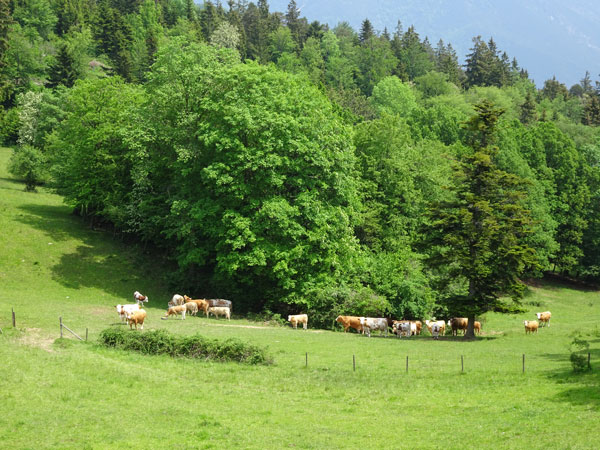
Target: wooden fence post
x=462 y=364
x=13 y=318
x=306 y=363
x=523 y=362
x=589 y=360
x=86 y=334
x=406 y=363
x=353 y=363
x=60 y=322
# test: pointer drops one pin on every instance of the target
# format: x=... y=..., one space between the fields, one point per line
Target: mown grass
x=62 y=393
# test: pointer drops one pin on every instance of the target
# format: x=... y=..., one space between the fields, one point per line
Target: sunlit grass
x=62 y=393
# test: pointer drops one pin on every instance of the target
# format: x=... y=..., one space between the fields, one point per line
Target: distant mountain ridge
x=548 y=37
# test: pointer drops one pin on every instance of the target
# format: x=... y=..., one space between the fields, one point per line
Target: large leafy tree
x=92 y=148
x=257 y=172
x=479 y=235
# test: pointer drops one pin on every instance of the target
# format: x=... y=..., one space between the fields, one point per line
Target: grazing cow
x=401 y=327
x=299 y=318
x=220 y=311
x=413 y=326
x=350 y=322
x=419 y=326
x=139 y=298
x=177 y=310
x=458 y=323
x=192 y=308
x=477 y=327
x=220 y=302
x=440 y=323
x=123 y=310
x=544 y=317
x=435 y=330
x=202 y=304
x=176 y=300
x=531 y=326
x=369 y=324
x=136 y=317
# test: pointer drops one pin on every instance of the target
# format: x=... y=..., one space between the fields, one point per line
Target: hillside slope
x=67 y=394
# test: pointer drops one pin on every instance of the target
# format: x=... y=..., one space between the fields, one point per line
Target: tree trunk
x=470 y=334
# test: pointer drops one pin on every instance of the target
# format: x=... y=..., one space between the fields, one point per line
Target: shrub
x=161 y=342
x=579 y=348
x=28 y=163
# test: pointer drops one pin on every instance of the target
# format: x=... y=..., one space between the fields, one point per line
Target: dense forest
x=293 y=167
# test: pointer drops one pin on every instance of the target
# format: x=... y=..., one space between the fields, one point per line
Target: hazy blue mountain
x=548 y=37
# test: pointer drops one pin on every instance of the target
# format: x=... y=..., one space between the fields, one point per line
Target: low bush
x=161 y=342
x=579 y=348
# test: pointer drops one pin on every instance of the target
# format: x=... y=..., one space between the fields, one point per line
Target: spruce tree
x=591 y=111
x=478 y=236
x=528 y=110
x=64 y=71
x=366 y=31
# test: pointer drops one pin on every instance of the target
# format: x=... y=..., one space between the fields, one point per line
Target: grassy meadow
x=62 y=393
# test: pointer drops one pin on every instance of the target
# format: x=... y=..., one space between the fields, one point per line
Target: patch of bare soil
x=34 y=338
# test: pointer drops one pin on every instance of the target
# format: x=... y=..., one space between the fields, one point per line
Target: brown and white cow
x=136 y=318
x=350 y=322
x=531 y=326
x=544 y=317
x=458 y=323
x=298 y=318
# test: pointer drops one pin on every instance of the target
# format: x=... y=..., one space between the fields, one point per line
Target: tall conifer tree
x=479 y=235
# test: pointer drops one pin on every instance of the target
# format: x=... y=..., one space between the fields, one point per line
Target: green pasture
x=62 y=393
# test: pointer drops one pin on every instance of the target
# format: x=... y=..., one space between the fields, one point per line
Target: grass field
x=62 y=393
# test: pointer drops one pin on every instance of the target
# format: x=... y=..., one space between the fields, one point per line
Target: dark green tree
x=5 y=22
x=528 y=110
x=65 y=70
x=113 y=38
x=366 y=31
x=591 y=111
x=478 y=236
x=554 y=88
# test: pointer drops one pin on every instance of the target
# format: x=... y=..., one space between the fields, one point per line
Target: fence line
x=62 y=325
x=462 y=362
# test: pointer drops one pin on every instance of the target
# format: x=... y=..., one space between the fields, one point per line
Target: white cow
x=219 y=311
x=435 y=330
x=139 y=298
x=177 y=300
x=124 y=310
x=405 y=328
x=370 y=324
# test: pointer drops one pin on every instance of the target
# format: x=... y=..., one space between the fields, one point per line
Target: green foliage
x=265 y=194
x=433 y=84
x=28 y=163
x=579 y=358
x=479 y=235
x=65 y=69
x=92 y=150
x=9 y=126
x=392 y=96
x=161 y=342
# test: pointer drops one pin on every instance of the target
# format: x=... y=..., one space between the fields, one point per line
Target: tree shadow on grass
x=582 y=389
x=12 y=185
x=99 y=261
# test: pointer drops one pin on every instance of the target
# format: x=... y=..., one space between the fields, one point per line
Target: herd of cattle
x=408 y=328
x=179 y=305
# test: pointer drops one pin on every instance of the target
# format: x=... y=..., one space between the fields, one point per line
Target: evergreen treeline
x=293 y=167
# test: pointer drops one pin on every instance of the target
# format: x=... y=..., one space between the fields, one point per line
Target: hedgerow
x=161 y=342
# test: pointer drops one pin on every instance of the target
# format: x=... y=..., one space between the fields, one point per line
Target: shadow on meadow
x=99 y=261
x=581 y=389
x=12 y=184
